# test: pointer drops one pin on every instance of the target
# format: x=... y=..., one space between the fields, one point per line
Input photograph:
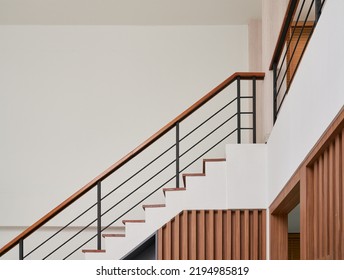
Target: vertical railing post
x=238 y=111
x=317 y=10
x=177 y=155
x=274 y=68
x=99 y=216
x=21 y=249
x=254 y=121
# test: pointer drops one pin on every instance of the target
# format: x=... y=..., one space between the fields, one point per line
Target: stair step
x=172 y=189
x=203 y=173
x=133 y=221
x=212 y=160
x=153 y=206
x=93 y=251
x=191 y=175
x=113 y=235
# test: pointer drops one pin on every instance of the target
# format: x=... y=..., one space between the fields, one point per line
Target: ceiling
x=128 y=12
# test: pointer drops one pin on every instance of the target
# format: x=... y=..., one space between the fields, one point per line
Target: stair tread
x=193 y=174
x=133 y=221
x=113 y=235
x=93 y=251
x=213 y=159
x=153 y=206
x=173 y=189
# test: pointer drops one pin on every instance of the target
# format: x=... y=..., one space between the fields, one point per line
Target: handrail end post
x=177 y=156
x=254 y=109
x=99 y=223
x=238 y=110
x=21 y=249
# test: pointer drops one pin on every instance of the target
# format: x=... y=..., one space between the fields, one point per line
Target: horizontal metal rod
x=64 y=243
x=139 y=171
x=293 y=53
x=197 y=127
x=139 y=187
x=209 y=149
x=288 y=46
x=56 y=233
x=208 y=135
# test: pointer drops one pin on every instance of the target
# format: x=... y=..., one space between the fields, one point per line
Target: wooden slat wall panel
x=214 y=234
x=318 y=185
x=325 y=188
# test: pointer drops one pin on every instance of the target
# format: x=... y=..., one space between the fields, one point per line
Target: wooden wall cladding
x=325 y=191
x=318 y=184
x=214 y=235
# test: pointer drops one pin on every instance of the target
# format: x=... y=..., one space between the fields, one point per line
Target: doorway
x=284 y=218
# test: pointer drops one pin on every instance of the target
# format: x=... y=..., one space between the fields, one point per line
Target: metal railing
x=299 y=23
x=138 y=177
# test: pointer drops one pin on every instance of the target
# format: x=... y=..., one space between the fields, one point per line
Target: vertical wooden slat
x=316 y=209
x=321 y=209
x=331 y=213
x=229 y=234
x=306 y=213
x=237 y=244
x=193 y=236
x=160 y=244
x=201 y=235
x=337 y=200
x=184 y=233
x=209 y=253
x=176 y=238
x=225 y=234
x=218 y=226
x=263 y=235
x=326 y=203
x=168 y=242
x=255 y=230
x=250 y=213
x=246 y=236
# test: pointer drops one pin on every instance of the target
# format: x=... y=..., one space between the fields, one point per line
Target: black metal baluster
x=254 y=121
x=274 y=68
x=238 y=111
x=177 y=155
x=99 y=216
x=317 y=10
x=21 y=249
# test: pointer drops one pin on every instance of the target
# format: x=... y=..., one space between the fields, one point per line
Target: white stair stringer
x=202 y=192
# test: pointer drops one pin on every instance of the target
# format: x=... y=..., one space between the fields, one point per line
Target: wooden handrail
x=288 y=17
x=132 y=154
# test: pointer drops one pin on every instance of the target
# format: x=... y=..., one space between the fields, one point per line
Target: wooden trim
x=129 y=156
x=93 y=251
x=133 y=221
x=106 y=235
x=279 y=237
x=288 y=198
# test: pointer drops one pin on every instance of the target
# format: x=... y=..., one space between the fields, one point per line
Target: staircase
x=164 y=164
x=195 y=194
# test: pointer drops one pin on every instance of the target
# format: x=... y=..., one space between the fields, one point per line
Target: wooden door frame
x=284 y=203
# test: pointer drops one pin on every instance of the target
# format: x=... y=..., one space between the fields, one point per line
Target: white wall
x=246 y=176
x=75 y=99
x=314 y=99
